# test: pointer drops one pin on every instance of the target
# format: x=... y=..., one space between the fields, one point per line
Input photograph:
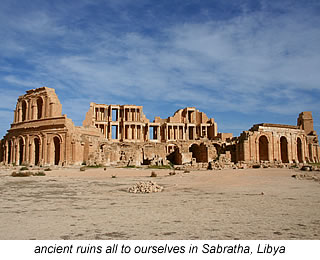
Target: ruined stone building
x=122 y=135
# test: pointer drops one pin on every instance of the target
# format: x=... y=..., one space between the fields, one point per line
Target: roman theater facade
x=122 y=135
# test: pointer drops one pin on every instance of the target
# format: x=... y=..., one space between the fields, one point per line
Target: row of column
x=251 y=149
x=33 y=150
x=127 y=114
x=29 y=109
x=177 y=132
x=137 y=131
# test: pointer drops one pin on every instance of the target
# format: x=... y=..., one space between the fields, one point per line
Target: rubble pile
x=307 y=176
x=145 y=187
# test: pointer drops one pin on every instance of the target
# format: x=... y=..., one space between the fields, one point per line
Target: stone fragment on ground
x=145 y=187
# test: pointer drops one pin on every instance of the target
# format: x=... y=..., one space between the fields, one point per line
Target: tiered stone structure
x=122 y=135
x=41 y=135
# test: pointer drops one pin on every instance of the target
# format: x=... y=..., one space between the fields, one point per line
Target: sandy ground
x=226 y=204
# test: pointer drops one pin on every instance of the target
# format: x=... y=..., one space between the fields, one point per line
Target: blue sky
x=240 y=62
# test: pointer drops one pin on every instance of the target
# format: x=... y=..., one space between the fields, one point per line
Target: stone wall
x=122 y=135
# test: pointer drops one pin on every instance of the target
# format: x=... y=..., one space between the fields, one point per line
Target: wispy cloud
x=257 y=58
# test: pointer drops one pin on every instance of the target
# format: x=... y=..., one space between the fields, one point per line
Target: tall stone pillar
x=20 y=114
x=45 y=107
x=48 y=150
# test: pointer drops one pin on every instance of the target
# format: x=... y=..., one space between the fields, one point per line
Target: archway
x=56 y=142
x=199 y=152
x=284 y=149
x=263 y=148
x=39 y=107
x=36 y=151
x=175 y=157
x=299 y=150
x=21 y=153
x=24 y=110
x=9 y=152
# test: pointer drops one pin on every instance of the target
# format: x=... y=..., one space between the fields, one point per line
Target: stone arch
x=39 y=107
x=57 y=149
x=21 y=148
x=284 y=149
x=199 y=152
x=175 y=157
x=263 y=148
x=299 y=150
x=23 y=110
x=218 y=149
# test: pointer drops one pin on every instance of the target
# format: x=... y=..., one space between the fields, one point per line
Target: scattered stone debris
x=306 y=168
x=145 y=187
x=307 y=176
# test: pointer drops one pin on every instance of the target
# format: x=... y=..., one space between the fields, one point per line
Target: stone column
x=194 y=133
x=5 y=159
x=40 y=151
x=141 y=133
x=17 y=150
x=303 y=149
x=20 y=114
x=49 y=161
x=28 y=110
x=45 y=107
x=187 y=133
x=43 y=159
x=15 y=116
x=158 y=133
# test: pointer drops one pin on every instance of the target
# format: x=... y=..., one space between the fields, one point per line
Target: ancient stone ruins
x=121 y=135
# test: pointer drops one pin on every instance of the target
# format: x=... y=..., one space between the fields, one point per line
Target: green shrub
x=21 y=174
x=47 y=169
x=24 y=168
x=83 y=168
x=159 y=167
x=95 y=166
x=153 y=174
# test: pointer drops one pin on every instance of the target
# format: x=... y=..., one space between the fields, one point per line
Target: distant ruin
x=121 y=135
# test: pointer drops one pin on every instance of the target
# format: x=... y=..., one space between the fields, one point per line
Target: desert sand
x=225 y=204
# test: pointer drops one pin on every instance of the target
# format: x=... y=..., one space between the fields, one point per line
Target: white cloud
x=258 y=61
